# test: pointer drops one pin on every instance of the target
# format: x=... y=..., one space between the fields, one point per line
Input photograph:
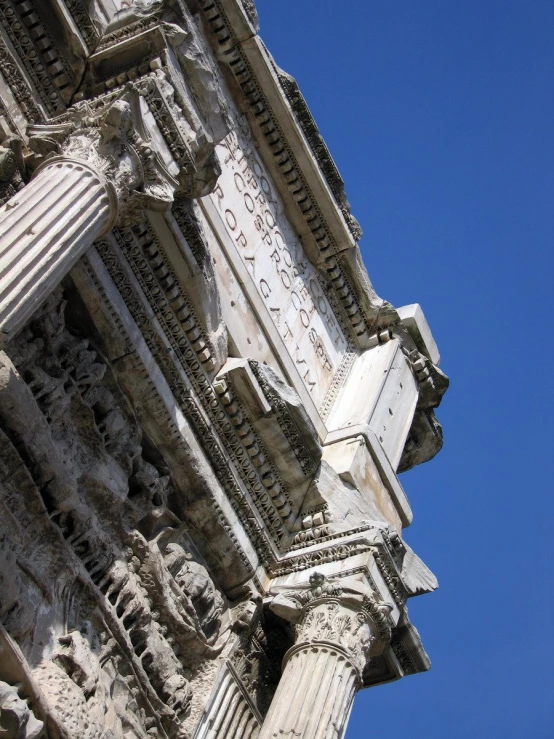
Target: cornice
x=319 y=147
x=52 y=76
x=18 y=85
x=80 y=12
x=301 y=175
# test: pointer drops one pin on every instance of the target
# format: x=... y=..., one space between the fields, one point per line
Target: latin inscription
x=284 y=278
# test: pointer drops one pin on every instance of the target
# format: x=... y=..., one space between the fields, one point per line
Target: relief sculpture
x=139 y=611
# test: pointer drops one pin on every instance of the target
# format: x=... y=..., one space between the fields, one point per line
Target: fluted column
x=337 y=628
x=314 y=697
x=45 y=229
x=94 y=171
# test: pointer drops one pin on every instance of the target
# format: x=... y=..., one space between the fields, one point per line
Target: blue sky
x=440 y=116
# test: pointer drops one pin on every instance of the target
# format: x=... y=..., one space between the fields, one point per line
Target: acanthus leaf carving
x=115 y=143
x=345 y=613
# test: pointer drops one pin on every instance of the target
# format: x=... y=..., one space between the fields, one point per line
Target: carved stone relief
x=286 y=283
x=17 y=720
x=131 y=597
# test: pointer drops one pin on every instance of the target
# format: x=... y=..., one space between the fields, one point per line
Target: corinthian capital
x=343 y=614
x=114 y=142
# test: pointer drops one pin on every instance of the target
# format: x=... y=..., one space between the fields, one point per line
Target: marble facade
x=204 y=404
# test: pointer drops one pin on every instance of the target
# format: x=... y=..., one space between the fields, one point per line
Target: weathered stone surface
x=414 y=320
x=204 y=403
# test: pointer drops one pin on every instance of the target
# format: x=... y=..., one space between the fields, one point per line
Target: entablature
x=263 y=382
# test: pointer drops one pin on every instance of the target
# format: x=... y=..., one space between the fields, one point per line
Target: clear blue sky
x=440 y=116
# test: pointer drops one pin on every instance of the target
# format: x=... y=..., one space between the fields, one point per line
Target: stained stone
x=204 y=404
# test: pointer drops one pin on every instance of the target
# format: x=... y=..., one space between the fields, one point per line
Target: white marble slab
x=288 y=284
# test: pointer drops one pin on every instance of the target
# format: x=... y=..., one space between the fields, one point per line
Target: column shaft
x=44 y=230
x=314 y=696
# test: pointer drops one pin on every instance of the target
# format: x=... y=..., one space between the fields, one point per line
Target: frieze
x=153 y=598
x=17 y=717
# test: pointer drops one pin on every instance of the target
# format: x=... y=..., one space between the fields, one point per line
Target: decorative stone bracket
x=268 y=413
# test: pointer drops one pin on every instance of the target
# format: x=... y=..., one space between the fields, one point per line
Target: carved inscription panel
x=288 y=284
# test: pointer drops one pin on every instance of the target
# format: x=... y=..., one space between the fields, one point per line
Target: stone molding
x=174 y=487
x=127 y=31
x=319 y=148
x=190 y=402
x=54 y=79
x=383 y=545
x=176 y=316
x=285 y=160
x=18 y=85
x=80 y=12
x=140 y=246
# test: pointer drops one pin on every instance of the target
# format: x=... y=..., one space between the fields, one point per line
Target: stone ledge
x=386 y=471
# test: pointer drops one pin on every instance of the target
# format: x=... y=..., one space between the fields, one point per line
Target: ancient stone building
x=204 y=404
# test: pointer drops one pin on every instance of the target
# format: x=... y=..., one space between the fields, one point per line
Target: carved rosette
x=338 y=628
